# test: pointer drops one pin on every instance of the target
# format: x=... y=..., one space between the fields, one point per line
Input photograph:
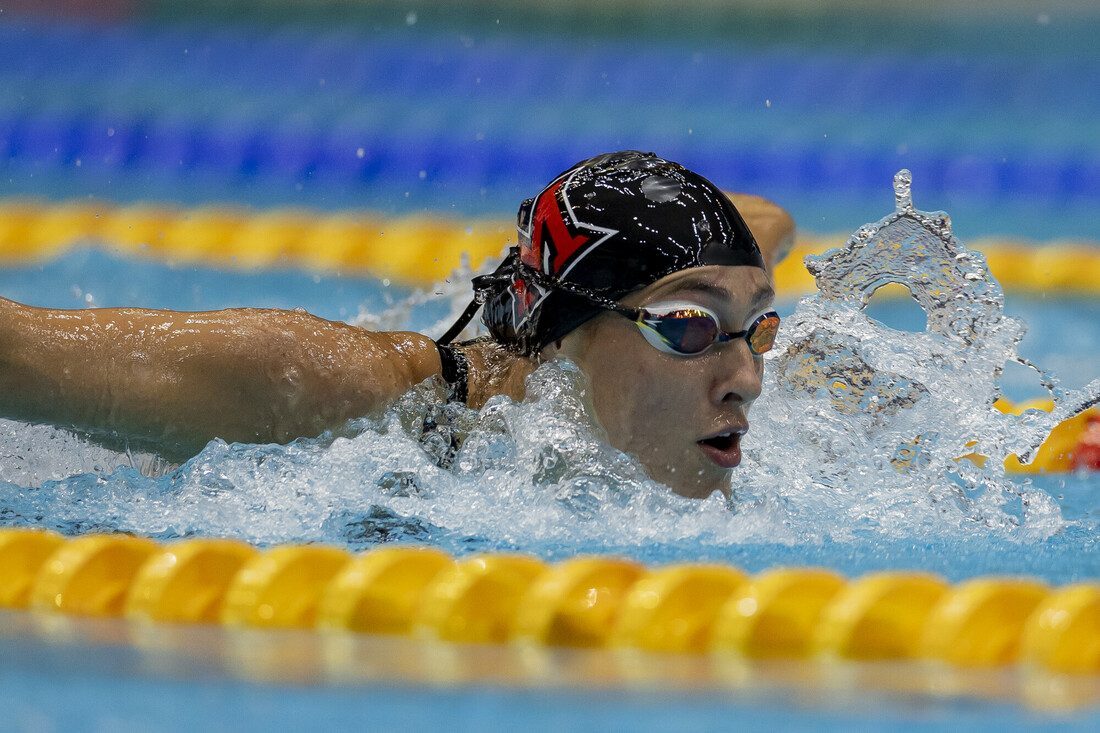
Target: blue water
x=96 y=702
x=68 y=685
x=999 y=133
x=98 y=684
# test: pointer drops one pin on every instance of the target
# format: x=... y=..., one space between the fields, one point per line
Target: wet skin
x=658 y=406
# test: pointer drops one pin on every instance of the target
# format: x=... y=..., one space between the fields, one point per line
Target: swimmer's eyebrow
x=764 y=295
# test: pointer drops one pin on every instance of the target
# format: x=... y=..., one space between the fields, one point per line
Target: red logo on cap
x=548 y=218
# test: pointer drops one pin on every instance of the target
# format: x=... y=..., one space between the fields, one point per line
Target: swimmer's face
x=671 y=411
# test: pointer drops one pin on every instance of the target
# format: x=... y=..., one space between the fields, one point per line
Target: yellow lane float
x=23 y=552
x=592 y=602
x=414 y=249
x=187 y=581
x=672 y=609
x=90 y=575
x=281 y=587
x=378 y=591
x=476 y=600
x=775 y=614
x=1063 y=633
x=879 y=616
x=577 y=602
x=979 y=623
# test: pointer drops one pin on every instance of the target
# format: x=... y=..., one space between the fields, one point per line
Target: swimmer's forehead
x=738 y=287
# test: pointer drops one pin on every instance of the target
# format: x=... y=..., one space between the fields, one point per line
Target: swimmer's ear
x=549 y=351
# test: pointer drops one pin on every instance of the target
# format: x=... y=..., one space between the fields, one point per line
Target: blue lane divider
x=310 y=67
x=352 y=108
x=362 y=156
x=806 y=90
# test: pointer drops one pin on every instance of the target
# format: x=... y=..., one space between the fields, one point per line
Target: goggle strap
x=456 y=328
x=546 y=281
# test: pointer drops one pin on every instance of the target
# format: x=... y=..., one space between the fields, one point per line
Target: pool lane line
x=713 y=612
x=417 y=250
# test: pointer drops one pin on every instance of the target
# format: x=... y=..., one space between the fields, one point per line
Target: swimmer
x=640 y=271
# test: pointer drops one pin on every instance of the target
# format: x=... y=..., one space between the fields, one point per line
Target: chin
x=703 y=487
x=703 y=492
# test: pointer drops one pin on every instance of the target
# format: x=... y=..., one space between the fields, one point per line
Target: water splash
x=968 y=338
x=857 y=436
x=872 y=423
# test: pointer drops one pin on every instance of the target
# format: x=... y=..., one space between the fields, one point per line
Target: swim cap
x=605 y=227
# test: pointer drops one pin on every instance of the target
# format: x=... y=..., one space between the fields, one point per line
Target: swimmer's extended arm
x=173 y=381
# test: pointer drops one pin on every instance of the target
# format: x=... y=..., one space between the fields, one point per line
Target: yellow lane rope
x=411 y=249
x=583 y=602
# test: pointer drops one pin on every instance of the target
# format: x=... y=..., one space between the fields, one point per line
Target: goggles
x=681 y=328
x=687 y=329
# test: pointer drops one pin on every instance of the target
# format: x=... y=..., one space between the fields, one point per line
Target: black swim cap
x=607 y=226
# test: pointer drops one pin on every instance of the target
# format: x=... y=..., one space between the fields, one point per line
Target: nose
x=738 y=376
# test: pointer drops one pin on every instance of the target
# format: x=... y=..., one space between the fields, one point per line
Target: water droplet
x=661 y=189
x=902 y=194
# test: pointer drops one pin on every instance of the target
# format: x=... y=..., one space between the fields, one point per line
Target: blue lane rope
x=292 y=104
x=347 y=154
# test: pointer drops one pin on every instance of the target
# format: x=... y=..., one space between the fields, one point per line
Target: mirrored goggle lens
x=685 y=332
x=762 y=333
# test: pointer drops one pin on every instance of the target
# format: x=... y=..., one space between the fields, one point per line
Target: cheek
x=758 y=362
x=616 y=390
x=641 y=398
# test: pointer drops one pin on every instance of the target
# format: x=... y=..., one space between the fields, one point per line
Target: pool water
x=371 y=484
x=406 y=112
x=61 y=695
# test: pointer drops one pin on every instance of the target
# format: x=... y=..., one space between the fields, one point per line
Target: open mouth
x=721 y=442
x=724 y=449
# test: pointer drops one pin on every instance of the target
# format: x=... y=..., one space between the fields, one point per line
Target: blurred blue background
x=466 y=108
